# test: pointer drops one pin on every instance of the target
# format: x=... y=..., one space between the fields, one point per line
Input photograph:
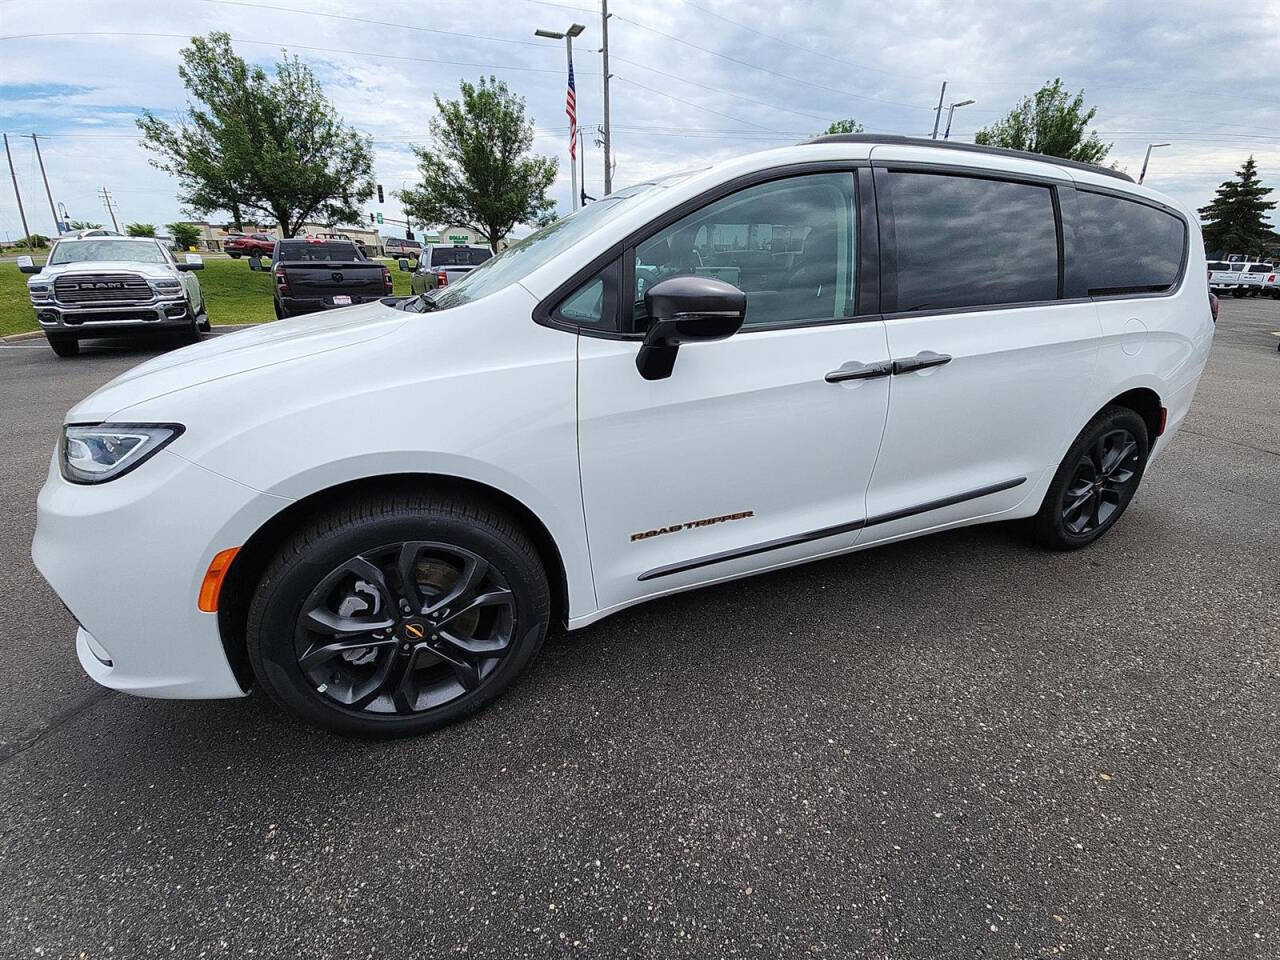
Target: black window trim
x=888 y=240
x=1143 y=293
x=545 y=311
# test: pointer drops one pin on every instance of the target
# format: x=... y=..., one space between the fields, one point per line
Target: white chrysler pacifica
x=376 y=514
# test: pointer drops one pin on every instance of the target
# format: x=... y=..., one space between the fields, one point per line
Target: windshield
x=518 y=261
x=294 y=251
x=459 y=256
x=105 y=248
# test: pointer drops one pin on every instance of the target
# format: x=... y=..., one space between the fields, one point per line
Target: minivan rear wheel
x=398 y=615
x=1095 y=481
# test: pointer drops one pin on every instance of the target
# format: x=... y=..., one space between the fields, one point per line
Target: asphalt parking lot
x=959 y=746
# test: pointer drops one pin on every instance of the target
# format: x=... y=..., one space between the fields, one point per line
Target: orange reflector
x=213 y=578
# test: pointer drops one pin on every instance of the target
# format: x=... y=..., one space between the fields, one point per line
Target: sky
x=694 y=81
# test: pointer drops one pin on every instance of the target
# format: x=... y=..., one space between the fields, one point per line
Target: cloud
x=694 y=81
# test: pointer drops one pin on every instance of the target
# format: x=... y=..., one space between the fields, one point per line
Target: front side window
x=1130 y=247
x=789 y=245
x=963 y=241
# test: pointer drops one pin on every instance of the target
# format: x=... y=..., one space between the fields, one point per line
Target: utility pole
x=937 y=114
x=604 y=50
x=105 y=194
x=57 y=224
x=16 y=193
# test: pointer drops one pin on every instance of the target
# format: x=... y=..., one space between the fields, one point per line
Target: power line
x=690 y=103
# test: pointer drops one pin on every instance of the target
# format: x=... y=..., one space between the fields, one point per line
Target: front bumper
x=127 y=558
x=89 y=320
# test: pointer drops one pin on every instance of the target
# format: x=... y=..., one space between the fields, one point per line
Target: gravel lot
x=956 y=747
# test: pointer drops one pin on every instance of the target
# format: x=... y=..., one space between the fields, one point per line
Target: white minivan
x=376 y=513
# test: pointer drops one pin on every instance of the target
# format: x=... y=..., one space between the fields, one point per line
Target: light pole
x=937 y=114
x=571 y=102
x=951 y=112
x=1150 y=146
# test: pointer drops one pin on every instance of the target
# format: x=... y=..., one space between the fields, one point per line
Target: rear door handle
x=856 y=370
x=926 y=358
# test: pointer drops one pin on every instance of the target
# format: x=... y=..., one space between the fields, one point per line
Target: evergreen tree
x=1236 y=220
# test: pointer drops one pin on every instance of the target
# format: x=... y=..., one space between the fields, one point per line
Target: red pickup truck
x=255 y=244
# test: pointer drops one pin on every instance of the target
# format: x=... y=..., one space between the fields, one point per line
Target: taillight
x=386 y=279
x=282 y=281
x=442 y=279
x=1213 y=306
x=1271 y=279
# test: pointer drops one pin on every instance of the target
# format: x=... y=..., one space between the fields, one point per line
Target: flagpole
x=573 y=127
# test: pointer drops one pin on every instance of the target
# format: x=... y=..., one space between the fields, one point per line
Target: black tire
x=233 y=256
x=275 y=305
x=63 y=345
x=399 y=680
x=1095 y=482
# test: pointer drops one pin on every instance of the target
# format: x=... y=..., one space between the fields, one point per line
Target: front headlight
x=39 y=292
x=167 y=287
x=101 y=452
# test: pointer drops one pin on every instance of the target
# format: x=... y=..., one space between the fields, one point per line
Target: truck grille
x=101 y=288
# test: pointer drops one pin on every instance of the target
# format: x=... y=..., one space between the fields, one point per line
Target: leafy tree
x=184 y=234
x=478 y=170
x=140 y=229
x=843 y=126
x=1235 y=221
x=1051 y=122
x=37 y=242
x=85 y=225
x=253 y=144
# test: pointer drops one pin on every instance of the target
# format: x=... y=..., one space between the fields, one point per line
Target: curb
x=37 y=334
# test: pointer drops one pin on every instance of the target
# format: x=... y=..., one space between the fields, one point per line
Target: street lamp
x=950 y=112
x=1150 y=146
x=567 y=36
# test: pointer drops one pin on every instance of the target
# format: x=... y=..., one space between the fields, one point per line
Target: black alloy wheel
x=405 y=627
x=1101 y=483
x=1095 y=481
x=397 y=615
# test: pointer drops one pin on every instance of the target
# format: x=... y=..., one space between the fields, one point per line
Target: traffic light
x=373 y=218
x=379 y=193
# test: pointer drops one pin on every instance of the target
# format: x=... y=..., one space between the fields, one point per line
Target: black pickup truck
x=316 y=273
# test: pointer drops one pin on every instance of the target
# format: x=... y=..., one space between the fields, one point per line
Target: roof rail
x=970 y=147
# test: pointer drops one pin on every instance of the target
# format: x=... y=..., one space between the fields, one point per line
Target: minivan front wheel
x=1095 y=481
x=399 y=615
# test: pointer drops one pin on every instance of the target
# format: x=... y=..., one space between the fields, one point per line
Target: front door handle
x=855 y=370
x=926 y=358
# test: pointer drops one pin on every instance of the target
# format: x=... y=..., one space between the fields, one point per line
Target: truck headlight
x=100 y=452
x=39 y=292
x=167 y=288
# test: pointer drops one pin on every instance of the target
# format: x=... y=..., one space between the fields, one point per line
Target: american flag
x=571 y=108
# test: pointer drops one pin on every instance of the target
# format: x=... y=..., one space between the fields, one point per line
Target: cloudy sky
x=694 y=80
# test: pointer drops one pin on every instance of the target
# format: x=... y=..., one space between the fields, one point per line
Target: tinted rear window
x=458 y=257
x=1130 y=247
x=1219 y=265
x=965 y=241
x=328 y=250
x=1259 y=268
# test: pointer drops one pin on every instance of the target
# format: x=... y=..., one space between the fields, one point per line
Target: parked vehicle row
x=1243 y=278
x=792 y=355
x=110 y=285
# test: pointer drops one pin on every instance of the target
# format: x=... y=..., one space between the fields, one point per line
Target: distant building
x=212 y=235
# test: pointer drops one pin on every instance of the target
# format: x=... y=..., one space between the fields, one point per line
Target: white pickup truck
x=1253 y=279
x=440 y=265
x=1224 y=275
x=110 y=286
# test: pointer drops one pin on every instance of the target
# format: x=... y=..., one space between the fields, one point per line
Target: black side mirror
x=687 y=310
x=255 y=262
x=403 y=264
x=26 y=265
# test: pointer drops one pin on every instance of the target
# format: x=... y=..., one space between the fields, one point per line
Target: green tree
x=1052 y=122
x=1235 y=221
x=37 y=242
x=479 y=170
x=85 y=225
x=842 y=126
x=185 y=235
x=140 y=229
x=253 y=144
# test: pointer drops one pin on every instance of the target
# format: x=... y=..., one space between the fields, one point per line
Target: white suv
x=795 y=354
